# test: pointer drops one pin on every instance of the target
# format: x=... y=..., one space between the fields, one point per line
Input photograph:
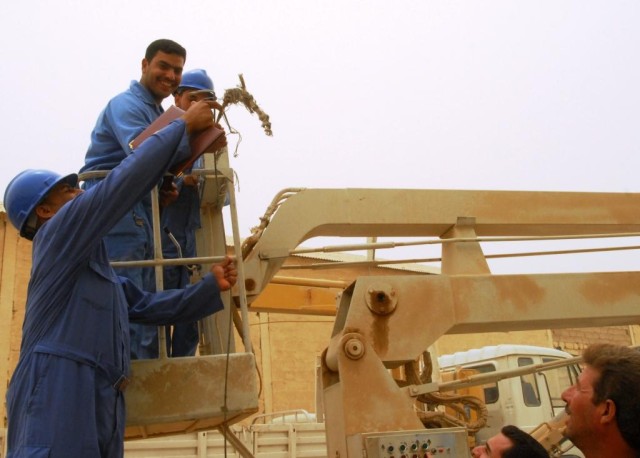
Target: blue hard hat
x=26 y=191
x=196 y=79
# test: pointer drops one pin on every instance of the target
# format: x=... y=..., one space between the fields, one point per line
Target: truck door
x=535 y=404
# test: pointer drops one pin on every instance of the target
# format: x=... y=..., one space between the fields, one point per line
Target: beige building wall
x=15 y=267
x=577 y=339
x=287 y=349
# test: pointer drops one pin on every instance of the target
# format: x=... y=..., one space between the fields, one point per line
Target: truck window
x=530 y=393
x=491 y=393
x=559 y=380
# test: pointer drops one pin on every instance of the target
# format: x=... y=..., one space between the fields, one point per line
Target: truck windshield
x=559 y=380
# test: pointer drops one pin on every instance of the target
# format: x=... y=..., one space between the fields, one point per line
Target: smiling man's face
x=162 y=74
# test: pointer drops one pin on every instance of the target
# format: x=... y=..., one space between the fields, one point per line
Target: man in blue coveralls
x=66 y=398
x=122 y=120
x=182 y=218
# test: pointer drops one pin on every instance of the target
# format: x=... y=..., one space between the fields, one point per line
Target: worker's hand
x=190 y=180
x=199 y=116
x=216 y=106
x=226 y=273
x=168 y=192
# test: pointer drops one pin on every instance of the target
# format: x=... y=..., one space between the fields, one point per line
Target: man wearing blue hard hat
x=27 y=197
x=195 y=85
x=181 y=218
x=65 y=398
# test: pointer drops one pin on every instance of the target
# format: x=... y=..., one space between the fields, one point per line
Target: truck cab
x=525 y=401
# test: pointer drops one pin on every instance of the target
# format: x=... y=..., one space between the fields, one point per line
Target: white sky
x=527 y=95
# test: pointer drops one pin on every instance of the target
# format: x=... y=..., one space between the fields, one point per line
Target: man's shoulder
x=132 y=97
x=131 y=104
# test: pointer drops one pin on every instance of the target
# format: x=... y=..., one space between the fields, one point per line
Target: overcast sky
x=526 y=95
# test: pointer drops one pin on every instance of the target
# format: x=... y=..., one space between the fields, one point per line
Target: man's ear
x=608 y=412
x=44 y=212
x=144 y=64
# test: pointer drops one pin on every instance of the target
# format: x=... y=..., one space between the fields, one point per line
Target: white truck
x=526 y=401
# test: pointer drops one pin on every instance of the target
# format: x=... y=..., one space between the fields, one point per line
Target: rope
x=240 y=95
x=460 y=404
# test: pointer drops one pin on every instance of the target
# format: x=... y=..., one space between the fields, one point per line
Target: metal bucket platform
x=178 y=395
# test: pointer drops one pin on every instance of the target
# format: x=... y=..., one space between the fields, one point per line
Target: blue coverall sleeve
x=194 y=302
x=127 y=121
x=73 y=232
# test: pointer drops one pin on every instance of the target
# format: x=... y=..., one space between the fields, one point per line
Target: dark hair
x=619 y=381
x=164 y=45
x=524 y=446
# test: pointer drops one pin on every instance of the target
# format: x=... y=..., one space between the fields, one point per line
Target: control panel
x=444 y=442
